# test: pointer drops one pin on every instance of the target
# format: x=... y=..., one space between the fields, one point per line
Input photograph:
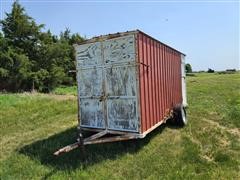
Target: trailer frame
x=99 y=136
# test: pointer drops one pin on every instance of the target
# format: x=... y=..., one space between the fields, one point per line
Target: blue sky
x=207 y=32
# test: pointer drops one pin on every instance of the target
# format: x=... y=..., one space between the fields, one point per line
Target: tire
x=180 y=115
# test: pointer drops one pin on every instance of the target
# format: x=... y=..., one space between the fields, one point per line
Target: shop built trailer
x=128 y=84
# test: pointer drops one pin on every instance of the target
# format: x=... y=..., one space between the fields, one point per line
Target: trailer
x=128 y=84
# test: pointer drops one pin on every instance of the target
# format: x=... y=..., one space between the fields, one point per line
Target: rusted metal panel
x=90 y=85
x=122 y=114
x=91 y=111
x=122 y=99
x=121 y=80
x=90 y=80
x=160 y=84
x=142 y=71
x=119 y=54
x=119 y=50
x=106 y=75
x=88 y=54
x=138 y=108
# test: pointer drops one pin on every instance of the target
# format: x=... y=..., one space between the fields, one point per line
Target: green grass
x=33 y=126
x=65 y=90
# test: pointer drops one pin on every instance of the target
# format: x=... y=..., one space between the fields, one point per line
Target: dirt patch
x=233 y=131
x=208 y=158
x=203 y=153
x=223 y=142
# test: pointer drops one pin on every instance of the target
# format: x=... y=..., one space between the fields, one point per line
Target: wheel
x=179 y=115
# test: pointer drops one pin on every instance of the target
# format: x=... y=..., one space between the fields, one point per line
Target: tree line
x=31 y=59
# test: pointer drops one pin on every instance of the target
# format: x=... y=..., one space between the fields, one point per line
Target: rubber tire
x=180 y=115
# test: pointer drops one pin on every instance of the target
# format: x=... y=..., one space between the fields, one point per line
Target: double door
x=106 y=77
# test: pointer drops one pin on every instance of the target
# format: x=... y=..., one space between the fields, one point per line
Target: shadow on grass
x=43 y=150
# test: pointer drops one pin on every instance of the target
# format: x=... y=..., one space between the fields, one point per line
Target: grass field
x=33 y=126
x=72 y=90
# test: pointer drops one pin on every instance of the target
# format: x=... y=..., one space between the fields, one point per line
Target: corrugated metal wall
x=160 y=80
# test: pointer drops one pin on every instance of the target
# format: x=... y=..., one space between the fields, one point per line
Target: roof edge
x=107 y=36
x=120 y=34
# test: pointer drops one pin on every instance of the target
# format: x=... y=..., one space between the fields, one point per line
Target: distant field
x=33 y=126
x=72 y=90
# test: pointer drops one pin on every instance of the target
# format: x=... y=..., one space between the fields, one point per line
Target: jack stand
x=80 y=140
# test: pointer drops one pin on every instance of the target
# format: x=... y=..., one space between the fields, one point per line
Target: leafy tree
x=210 y=70
x=4 y=61
x=32 y=59
x=188 y=68
x=15 y=70
x=69 y=39
x=76 y=38
x=21 y=36
x=21 y=30
x=14 y=66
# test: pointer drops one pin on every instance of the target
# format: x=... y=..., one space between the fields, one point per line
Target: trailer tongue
x=96 y=139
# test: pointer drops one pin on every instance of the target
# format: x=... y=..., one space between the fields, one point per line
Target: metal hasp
x=128 y=84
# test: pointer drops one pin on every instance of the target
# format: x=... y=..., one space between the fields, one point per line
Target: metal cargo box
x=128 y=84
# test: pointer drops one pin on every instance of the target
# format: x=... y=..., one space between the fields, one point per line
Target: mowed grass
x=33 y=126
x=65 y=90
